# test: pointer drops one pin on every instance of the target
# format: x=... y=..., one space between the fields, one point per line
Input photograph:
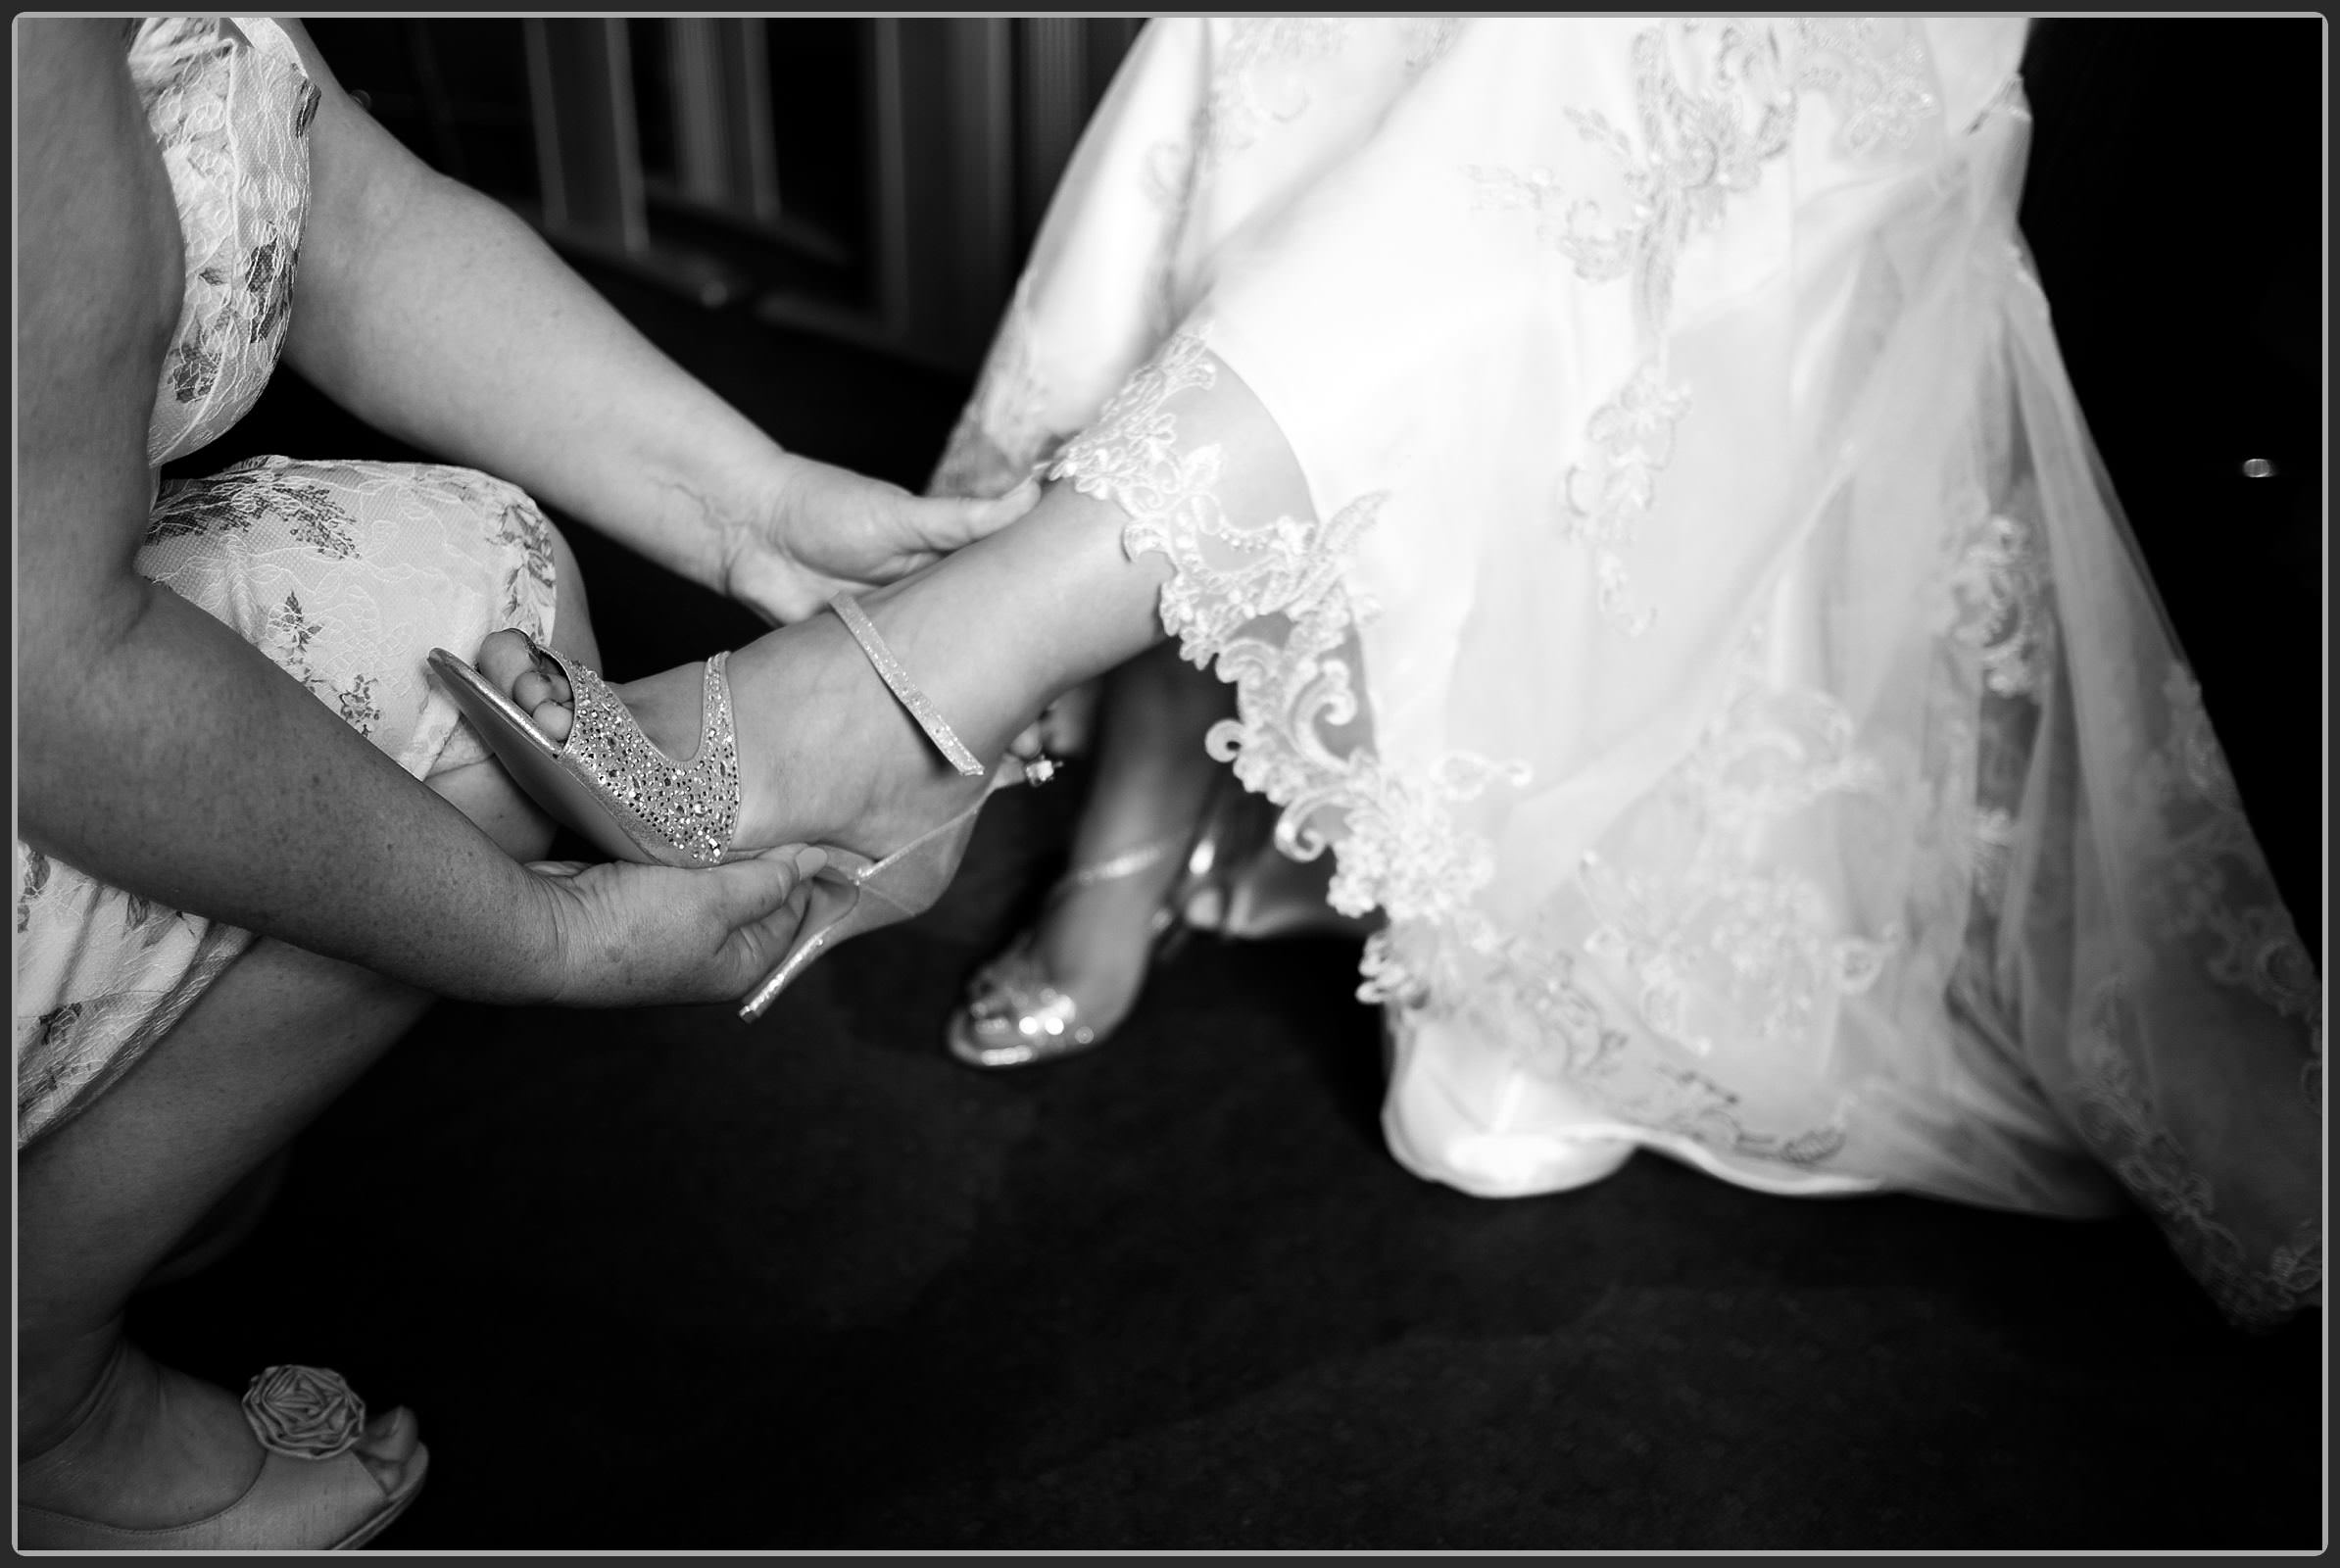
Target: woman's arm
x=434 y=313
x=157 y=750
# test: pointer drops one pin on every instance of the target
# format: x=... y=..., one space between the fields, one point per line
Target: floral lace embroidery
x=1401 y=849
x=1237 y=109
x=1700 y=143
x=1718 y=935
x=1876 y=74
x=999 y=436
x=1242 y=103
x=2214 y=884
x=2002 y=590
x=1696 y=149
x=230 y=110
x=1758 y=942
x=1606 y=496
x=1562 y=1032
x=2119 y=1117
x=1238 y=106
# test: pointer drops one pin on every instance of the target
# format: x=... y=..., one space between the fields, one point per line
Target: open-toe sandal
x=312 y=1492
x=610 y=782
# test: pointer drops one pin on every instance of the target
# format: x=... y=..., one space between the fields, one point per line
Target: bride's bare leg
x=1153 y=779
x=992 y=635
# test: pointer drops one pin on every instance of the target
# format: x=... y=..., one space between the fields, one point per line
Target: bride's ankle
x=830 y=755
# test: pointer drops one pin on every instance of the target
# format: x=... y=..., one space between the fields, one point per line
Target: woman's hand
x=826 y=529
x=629 y=935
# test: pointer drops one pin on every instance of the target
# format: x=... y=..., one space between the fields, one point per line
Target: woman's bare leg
x=103 y=1432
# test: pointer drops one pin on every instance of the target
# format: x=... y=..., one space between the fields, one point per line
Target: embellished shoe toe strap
x=904 y=690
x=1012 y=995
x=694 y=805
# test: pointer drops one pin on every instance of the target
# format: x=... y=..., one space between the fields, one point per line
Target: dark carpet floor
x=655 y=1281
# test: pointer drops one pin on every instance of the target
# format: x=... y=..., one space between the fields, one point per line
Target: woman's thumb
x=762 y=883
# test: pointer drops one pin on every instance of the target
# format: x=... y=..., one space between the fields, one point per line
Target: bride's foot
x=149 y=1447
x=1067 y=984
x=818 y=734
x=1073 y=979
x=825 y=755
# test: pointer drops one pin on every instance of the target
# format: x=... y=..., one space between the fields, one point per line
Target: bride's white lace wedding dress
x=1625 y=470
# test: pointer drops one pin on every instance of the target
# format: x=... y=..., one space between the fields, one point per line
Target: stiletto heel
x=610 y=782
x=853 y=894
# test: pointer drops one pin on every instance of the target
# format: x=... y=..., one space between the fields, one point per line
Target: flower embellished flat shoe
x=312 y=1492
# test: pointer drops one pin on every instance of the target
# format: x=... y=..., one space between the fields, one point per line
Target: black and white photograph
x=955 y=784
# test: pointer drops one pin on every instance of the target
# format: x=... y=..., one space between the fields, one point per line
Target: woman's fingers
x=944 y=523
x=644 y=933
x=922 y=529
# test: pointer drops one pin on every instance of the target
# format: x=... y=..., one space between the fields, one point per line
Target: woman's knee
x=482 y=790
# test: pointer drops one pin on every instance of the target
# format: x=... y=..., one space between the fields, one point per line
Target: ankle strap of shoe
x=890 y=670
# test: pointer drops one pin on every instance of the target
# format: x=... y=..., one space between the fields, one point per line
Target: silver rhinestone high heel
x=613 y=783
x=609 y=781
x=1013 y=1015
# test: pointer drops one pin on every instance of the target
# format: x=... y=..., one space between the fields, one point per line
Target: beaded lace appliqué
x=2003 y=581
x=2154 y=1166
x=1874 y=72
x=1401 y=849
x=1630 y=440
x=1757 y=939
x=1245 y=98
x=1001 y=434
x=2218 y=889
x=1699 y=144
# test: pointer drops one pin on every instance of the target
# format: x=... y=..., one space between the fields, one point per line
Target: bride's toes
x=513 y=664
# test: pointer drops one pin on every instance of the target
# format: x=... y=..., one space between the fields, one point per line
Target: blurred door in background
x=877 y=178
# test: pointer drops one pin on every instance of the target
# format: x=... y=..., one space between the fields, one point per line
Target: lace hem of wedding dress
x=1936 y=882
x=1261 y=594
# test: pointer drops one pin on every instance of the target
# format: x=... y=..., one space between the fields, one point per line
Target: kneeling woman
x=257 y=841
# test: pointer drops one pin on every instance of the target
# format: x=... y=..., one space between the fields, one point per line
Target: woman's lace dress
x=1626 y=471
x=345 y=573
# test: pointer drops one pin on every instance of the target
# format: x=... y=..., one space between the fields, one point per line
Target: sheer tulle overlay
x=1626 y=471
x=346 y=574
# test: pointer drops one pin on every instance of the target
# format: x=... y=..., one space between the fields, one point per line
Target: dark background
x=653 y=1280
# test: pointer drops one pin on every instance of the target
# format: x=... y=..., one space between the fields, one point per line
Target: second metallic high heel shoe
x=612 y=783
x=1014 y=1017
x=1233 y=883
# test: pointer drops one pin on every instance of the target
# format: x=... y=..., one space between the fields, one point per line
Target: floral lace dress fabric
x=346 y=574
x=1625 y=470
